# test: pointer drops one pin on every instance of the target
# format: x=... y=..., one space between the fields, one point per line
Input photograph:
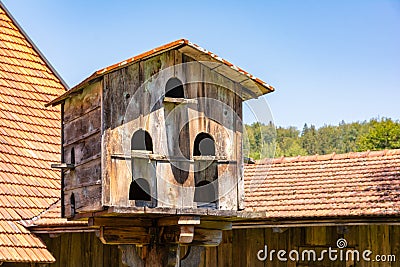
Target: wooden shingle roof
x=256 y=87
x=29 y=142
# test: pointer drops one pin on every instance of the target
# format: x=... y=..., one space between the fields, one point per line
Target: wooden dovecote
x=158 y=134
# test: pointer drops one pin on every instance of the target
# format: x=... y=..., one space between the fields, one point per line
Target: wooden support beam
x=216 y=225
x=179 y=220
x=178 y=229
x=116 y=235
x=119 y=222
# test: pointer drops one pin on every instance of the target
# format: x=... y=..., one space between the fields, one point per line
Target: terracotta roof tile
x=29 y=142
x=351 y=184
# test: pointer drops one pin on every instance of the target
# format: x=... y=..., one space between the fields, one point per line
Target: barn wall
x=240 y=247
x=78 y=250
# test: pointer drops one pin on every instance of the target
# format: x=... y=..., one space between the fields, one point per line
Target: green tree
x=383 y=134
x=260 y=140
x=309 y=139
x=288 y=142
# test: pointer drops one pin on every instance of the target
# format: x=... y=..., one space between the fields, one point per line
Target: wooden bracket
x=186 y=234
x=178 y=229
x=190 y=230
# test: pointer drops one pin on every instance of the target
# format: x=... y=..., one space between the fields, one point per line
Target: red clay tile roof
x=352 y=184
x=193 y=50
x=29 y=142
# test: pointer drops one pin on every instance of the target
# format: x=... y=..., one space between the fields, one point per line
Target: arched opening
x=72 y=203
x=141 y=140
x=139 y=190
x=72 y=160
x=204 y=145
x=174 y=88
x=205 y=195
x=205 y=172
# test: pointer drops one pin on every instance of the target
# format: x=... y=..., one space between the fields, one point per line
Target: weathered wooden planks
x=82 y=149
x=78 y=105
x=100 y=120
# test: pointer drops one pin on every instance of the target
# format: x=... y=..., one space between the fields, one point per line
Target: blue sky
x=328 y=60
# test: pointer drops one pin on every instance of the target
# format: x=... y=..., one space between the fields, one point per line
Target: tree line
x=267 y=140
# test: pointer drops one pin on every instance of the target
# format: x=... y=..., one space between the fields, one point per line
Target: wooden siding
x=82 y=135
x=240 y=247
x=78 y=250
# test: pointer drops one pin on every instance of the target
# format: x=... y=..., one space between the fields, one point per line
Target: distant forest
x=263 y=141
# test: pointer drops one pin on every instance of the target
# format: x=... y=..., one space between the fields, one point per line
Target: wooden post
x=158 y=255
x=162 y=255
x=130 y=256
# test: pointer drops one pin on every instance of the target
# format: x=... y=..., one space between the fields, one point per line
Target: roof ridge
x=332 y=156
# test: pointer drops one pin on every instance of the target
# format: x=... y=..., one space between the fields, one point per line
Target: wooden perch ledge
x=144 y=154
x=180 y=100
